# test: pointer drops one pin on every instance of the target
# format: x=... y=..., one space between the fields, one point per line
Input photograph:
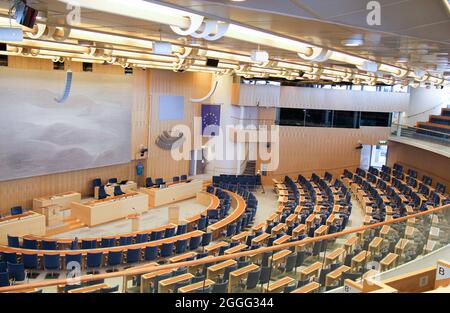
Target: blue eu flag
x=210 y=119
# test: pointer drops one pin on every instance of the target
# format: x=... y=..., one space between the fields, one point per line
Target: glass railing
x=433 y=136
x=316 y=264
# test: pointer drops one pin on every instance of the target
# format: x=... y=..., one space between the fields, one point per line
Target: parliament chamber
x=184 y=147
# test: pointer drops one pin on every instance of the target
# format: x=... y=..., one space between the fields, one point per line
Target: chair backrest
x=194 y=242
x=159 y=181
x=16 y=210
x=207 y=289
x=51 y=261
x=125 y=240
x=264 y=276
x=150 y=253
x=118 y=191
x=133 y=255
x=4 y=279
x=13 y=241
x=289 y=288
x=94 y=259
x=30 y=261
x=96 y=182
x=228 y=270
x=10 y=257
x=114 y=258
x=167 y=249
x=30 y=244
x=176 y=179
x=140 y=238
x=110 y=289
x=220 y=287
x=148 y=182
x=16 y=271
x=88 y=244
x=253 y=278
x=73 y=258
x=3 y=266
x=108 y=242
x=181 y=229
x=112 y=180
x=206 y=239
x=183 y=177
x=181 y=245
x=290 y=262
x=202 y=222
x=101 y=192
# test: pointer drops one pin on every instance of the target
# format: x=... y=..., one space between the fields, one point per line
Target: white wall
x=425 y=102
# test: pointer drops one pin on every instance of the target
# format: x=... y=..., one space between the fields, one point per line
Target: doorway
x=373 y=155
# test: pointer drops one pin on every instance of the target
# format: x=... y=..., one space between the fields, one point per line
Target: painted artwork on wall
x=39 y=136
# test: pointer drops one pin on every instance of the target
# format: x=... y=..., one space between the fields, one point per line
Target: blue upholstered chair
x=149 y=182
x=101 y=192
x=52 y=264
x=16 y=272
x=118 y=191
x=94 y=261
x=30 y=263
x=151 y=253
x=112 y=180
x=16 y=210
x=114 y=259
x=13 y=241
x=30 y=244
x=133 y=255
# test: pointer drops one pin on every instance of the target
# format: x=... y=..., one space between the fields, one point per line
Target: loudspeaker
x=26 y=15
x=212 y=62
x=87 y=67
x=2 y=46
x=128 y=71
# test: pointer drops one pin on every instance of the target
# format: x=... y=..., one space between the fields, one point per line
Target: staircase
x=439 y=123
x=250 y=168
x=70 y=223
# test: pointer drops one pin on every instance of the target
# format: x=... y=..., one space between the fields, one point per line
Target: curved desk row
x=212 y=200
x=238 y=204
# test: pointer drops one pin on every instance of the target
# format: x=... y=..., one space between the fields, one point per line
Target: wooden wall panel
x=259 y=95
x=188 y=84
x=424 y=162
x=304 y=150
x=314 y=98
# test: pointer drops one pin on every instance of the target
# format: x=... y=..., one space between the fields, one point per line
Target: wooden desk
x=62 y=199
x=282 y=239
x=210 y=201
x=384 y=232
x=236 y=249
x=301 y=228
x=194 y=287
x=334 y=255
x=241 y=237
x=260 y=239
x=215 y=247
x=279 y=257
x=172 y=193
x=259 y=227
x=166 y=284
x=272 y=218
x=360 y=258
x=309 y=220
x=146 y=278
x=336 y=274
x=21 y=225
x=322 y=230
x=388 y=261
x=278 y=286
x=291 y=219
x=218 y=269
x=309 y=288
x=275 y=230
x=401 y=245
x=182 y=257
x=409 y=232
x=110 y=209
x=88 y=288
x=239 y=205
x=375 y=245
x=240 y=274
x=311 y=271
x=109 y=188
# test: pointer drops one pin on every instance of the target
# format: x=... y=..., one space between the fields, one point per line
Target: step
x=445 y=111
x=435 y=127
x=440 y=119
x=70 y=223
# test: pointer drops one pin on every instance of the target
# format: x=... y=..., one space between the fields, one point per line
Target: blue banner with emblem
x=210 y=119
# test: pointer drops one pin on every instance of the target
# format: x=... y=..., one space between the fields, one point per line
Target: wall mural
x=40 y=136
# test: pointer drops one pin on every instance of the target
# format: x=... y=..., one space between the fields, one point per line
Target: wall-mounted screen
x=40 y=136
x=171 y=108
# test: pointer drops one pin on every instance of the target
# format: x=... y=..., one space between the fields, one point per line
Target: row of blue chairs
x=160 y=181
x=249 y=182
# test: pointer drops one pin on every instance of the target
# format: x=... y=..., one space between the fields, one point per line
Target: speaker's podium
x=135 y=221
